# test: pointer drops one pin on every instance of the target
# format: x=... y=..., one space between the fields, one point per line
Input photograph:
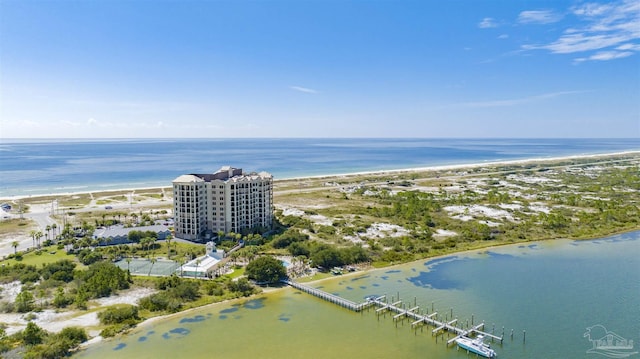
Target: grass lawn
x=48 y=255
x=236 y=273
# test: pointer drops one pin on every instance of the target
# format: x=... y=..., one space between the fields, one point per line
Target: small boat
x=476 y=346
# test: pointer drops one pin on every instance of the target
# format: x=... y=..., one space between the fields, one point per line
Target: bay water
x=553 y=290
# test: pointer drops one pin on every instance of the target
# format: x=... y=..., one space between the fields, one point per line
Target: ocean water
x=553 y=290
x=34 y=167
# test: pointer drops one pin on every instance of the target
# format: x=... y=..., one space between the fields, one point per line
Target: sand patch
x=466 y=213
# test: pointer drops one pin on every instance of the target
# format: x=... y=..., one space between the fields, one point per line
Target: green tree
x=266 y=269
x=39 y=236
x=60 y=300
x=241 y=286
x=24 y=301
x=32 y=234
x=196 y=274
x=153 y=261
x=33 y=334
x=81 y=298
x=168 y=241
x=74 y=334
x=327 y=258
x=102 y=279
x=15 y=244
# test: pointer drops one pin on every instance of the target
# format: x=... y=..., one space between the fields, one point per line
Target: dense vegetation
x=437 y=213
x=424 y=214
x=266 y=269
x=35 y=342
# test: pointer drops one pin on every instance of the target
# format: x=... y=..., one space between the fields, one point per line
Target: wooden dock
x=345 y=303
x=401 y=313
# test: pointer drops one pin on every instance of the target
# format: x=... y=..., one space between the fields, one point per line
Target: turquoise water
x=35 y=167
x=554 y=290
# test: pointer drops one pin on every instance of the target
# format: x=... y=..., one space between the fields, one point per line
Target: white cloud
x=487 y=22
x=539 y=17
x=590 y=9
x=303 y=89
x=605 y=56
x=503 y=36
x=611 y=29
x=519 y=101
x=632 y=47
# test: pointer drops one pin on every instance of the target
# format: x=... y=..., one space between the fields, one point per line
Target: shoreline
x=98 y=339
x=465 y=165
x=443 y=167
x=370 y=269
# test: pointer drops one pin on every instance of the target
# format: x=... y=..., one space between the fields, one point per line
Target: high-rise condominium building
x=228 y=200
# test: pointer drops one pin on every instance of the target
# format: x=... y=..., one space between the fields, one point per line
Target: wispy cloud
x=519 y=101
x=503 y=36
x=611 y=29
x=605 y=56
x=93 y=123
x=303 y=89
x=539 y=17
x=487 y=22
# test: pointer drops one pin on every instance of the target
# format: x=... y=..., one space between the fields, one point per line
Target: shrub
x=30 y=277
x=112 y=330
x=102 y=279
x=288 y=237
x=24 y=302
x=74 y=334
x=61 y=270
x=33 y=334
x=117 y=315
x=159 y=302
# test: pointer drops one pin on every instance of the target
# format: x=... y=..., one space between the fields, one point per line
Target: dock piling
x=418 y=317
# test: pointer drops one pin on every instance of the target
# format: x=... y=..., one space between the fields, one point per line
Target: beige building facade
x=228 y=200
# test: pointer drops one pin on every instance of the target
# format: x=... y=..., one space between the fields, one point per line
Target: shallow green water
x=553 y=290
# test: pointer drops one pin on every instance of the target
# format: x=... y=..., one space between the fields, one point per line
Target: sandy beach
x=41 y=216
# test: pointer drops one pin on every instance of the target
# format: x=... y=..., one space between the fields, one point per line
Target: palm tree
x=38 y=237
x=153 y=261
x=197 y=265
x=54 y=227
x=168 y=241
x=48 y=229
x=128 y=263
x=32 y=233
x=15 y=244
x=181 y=262
x=234 y=257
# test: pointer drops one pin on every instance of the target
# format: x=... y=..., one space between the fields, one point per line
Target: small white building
x=199 y=267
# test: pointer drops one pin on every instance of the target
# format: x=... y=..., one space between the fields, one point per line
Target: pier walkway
x=345 y=303
x=400 y=313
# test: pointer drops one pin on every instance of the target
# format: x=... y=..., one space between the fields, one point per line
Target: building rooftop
x=188 y=178
x=119 y=231
x=225 y=173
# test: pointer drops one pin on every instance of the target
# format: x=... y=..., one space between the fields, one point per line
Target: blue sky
x=462 y=68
